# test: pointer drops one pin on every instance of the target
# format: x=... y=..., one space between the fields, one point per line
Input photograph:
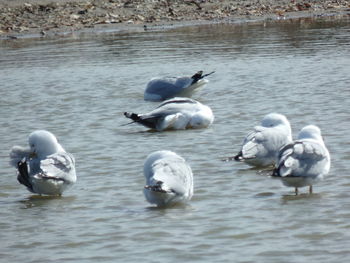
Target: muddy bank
x=47 y=16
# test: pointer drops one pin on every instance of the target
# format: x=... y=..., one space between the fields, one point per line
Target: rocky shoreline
x=19 y=17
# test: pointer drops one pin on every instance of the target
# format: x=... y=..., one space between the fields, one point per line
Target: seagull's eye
x=32 y=145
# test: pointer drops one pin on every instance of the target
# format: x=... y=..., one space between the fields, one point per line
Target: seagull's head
x=43 y=143
x=274 y=119
x=310 y=132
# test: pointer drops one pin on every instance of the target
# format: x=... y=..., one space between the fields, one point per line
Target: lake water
x=78 y=87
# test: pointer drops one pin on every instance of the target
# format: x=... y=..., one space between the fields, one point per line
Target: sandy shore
x=20 y=17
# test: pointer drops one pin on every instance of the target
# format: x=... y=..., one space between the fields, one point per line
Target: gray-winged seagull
x=45 y=168
x=305 y=161
x=159 y=89
x=169 y=179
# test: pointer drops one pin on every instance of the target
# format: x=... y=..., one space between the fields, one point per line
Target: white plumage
x=159 y=89
x=261 y=146
x=176 y=114
x=169 y=179
x=44 y=168
x=305 y=161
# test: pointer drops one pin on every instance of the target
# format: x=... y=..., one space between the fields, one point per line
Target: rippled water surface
x=79 y=86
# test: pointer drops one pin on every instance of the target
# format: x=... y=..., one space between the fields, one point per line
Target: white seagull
x=305 y=161
x=169 y=179
x=260 y=147
x=159 y=89
x=45 y=168
x=176 y=114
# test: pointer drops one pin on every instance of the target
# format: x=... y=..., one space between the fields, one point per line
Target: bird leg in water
x=296 y=190
x=310 y=189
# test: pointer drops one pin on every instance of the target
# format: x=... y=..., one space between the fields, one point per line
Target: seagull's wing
x=175 y=174
x=253 y=144
x=183 y=82
x=302 y=158
x=177 y=103
x=158 y=120
x=164 y=88
x=58 y=166
x=264 y=141
x=175 y=113
x=177 y=120
x=166 y=113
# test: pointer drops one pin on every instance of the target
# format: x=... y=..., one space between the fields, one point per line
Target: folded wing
x=302 y=158
x=59 y=166
x=175 y=175
x=253 y=144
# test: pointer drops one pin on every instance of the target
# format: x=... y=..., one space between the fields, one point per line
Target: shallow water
x=78 y=87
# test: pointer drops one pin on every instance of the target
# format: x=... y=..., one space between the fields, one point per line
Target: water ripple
x=79 y=88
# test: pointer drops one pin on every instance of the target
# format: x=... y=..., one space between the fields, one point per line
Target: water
x=78 y=87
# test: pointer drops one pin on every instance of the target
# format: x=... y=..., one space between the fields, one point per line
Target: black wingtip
x=239 y=157
x=23 y=175
x=133 y=116
x=148 y=121
x=199 y=75
x=206 y=75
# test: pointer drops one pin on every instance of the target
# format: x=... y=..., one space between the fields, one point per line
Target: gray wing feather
x=264 y=140
x=252 y=145
x=302 y=158
x=169 y=107
x=59 y=166
x=175 y=174
x=310 y=151
x=165 y=88
x=183 y=82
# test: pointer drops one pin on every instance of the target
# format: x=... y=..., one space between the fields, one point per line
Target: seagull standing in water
x=260 y=147
x=305 y=161
x=45 y=168
x=176 y=114
x=159 y=89
x=169 y=179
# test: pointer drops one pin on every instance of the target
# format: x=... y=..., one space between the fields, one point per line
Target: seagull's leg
x=296 y=190
x=310 y=189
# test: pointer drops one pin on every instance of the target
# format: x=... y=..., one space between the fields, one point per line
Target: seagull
x=45 y=168
x=169 y=179
x=176 y=114
x=305 y=161
x=159 y=89
x=260 y=147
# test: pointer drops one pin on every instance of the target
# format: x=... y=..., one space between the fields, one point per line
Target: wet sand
x=45 y=17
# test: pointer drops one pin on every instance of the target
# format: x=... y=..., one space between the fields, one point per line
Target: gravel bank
x=18 y=17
